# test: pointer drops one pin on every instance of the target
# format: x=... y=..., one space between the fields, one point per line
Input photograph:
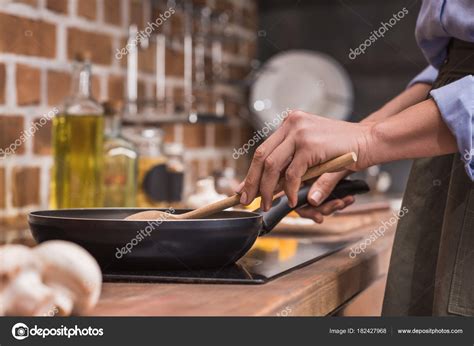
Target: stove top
x=269 y=258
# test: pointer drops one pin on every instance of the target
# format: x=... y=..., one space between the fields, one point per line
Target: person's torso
x=441 y=20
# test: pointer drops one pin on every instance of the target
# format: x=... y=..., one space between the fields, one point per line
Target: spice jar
x=175 y=173
x=152 y=187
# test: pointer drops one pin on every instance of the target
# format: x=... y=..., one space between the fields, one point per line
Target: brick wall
x=38 y=39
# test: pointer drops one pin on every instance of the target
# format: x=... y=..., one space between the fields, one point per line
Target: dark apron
x=432 y=265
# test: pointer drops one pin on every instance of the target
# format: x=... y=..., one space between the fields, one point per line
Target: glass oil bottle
x=120 y=161
x=78 y=134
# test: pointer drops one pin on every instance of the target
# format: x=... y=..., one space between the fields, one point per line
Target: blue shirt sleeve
x=456 y=104
x=428 y=76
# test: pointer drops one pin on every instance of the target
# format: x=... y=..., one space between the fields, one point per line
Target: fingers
x=317 y=213
x=240 y=187
x=275 y=163
x=310 y=213
x=335 y=205
x=252 y=180
x=293 y=174
x=323 y=187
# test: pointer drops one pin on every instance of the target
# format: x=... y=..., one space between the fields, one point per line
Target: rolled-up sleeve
x=456 y=104
x=428 y=76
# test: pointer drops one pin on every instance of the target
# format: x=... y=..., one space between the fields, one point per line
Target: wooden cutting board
x=340 y=223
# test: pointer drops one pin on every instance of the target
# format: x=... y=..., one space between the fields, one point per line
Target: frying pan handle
x=280 y=207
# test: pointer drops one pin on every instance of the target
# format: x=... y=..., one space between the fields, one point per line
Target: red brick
x=112 y=12
x=116 y=87
x=95 y=89
x=208 y=167
x=232 y=107
x=250 y=18
x=194 y=135
x=248 y=48
x=60 y=6
x=174 y=63
x=224 y=6
x=168 y=131
x=27 y=36
x=141 y=90
x=27 y=85
x=42 y=138
x=231 y=45
x=88 y=9
x=3 y=77
x=123 y=58
x=3 y=191
x=146 y=59
x=246 y=133
x=32 y=3
x=238 y=72
x=11 y=128
x=193 y=172
x=59 y=87
x=99 y=45
x=25 y=186
x=178 y=99
x=161 y=10
x=136 y=13
x=204 y=102
x=223 y=135
x=199 y=3
x=176 y=23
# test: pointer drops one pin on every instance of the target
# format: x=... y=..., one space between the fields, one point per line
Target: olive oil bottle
x=78 y=136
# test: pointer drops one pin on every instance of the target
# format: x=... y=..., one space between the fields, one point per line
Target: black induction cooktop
x=269 y=258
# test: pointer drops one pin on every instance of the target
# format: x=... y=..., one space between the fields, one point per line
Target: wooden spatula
x=333 y=165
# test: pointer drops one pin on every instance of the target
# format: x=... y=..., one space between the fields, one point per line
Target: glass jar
x=120 y=161
x=78 y=135
x=152 y=170
x=175 y=173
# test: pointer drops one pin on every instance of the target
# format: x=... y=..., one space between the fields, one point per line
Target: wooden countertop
x=317 y=289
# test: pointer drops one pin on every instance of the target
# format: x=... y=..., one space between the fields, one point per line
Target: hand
x=303 y=141
x=320 y=190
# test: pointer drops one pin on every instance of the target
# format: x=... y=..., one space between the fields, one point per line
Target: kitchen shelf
x=193 y=118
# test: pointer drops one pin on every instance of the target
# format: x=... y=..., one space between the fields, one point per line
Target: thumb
x=323 y=187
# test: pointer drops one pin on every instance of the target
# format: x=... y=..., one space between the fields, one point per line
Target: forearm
x=411 y=96
x=419 y=131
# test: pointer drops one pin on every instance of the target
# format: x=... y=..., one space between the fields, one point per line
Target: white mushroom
x=22 y=291
x=73 y=275
x=55 y=278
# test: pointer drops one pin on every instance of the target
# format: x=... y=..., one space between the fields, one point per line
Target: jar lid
x=143 y=134
x=112 y=107
x=83 y=56
x=174 y=149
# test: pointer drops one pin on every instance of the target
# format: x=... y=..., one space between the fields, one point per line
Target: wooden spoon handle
x=334 y=165
x=212 y=208
x=330 y=166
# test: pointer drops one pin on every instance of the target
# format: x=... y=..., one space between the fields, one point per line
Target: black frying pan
x=119 y=244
